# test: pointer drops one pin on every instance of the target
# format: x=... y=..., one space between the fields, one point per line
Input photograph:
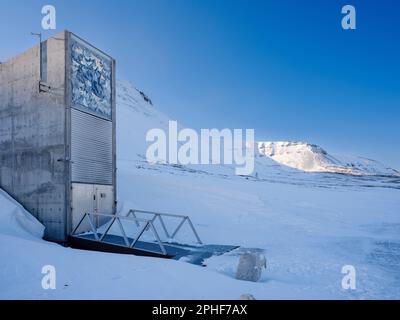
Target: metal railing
x=115 y=218
x=142 y=223
x=159 y=216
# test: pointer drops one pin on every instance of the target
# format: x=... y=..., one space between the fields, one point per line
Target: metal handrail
x=160 y=216
x=160 y=213
x=148 y=224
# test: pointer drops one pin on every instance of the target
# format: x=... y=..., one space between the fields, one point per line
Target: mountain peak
x=312 y=158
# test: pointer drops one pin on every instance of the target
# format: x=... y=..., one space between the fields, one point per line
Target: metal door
x=88 y=198
x=104 y=201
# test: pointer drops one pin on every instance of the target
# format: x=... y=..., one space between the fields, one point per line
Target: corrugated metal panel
x=91 y=149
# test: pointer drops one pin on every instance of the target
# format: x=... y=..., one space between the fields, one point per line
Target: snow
x=307 y=224
x=16 y=221
x=312 y=158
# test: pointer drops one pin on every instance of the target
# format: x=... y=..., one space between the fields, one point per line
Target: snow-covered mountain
x=312 y=158
x=136 y=115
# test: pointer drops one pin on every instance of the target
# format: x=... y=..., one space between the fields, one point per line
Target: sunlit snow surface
x=308 y=225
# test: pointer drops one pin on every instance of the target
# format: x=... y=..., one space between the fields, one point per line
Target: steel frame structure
x=142 y=223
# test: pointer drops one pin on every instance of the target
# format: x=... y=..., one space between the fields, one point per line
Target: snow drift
x=16 y=221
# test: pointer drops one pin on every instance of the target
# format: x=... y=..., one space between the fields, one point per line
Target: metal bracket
x=44 y=87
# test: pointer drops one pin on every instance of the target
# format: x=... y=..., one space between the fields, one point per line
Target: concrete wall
x=32 y=136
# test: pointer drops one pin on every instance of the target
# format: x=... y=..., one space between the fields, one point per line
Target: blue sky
x=285 y=68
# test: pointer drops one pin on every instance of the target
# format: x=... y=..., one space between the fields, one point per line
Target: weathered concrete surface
x=32 y=136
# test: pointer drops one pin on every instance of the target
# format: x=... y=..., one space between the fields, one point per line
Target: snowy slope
x=312 y=158
x=135 y=116
x=16 y=221
x=308 y=224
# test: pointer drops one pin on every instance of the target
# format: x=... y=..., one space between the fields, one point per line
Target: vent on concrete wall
x=43 y=62
x=91 y=149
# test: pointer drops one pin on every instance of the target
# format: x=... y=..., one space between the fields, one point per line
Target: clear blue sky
x=284 y=68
